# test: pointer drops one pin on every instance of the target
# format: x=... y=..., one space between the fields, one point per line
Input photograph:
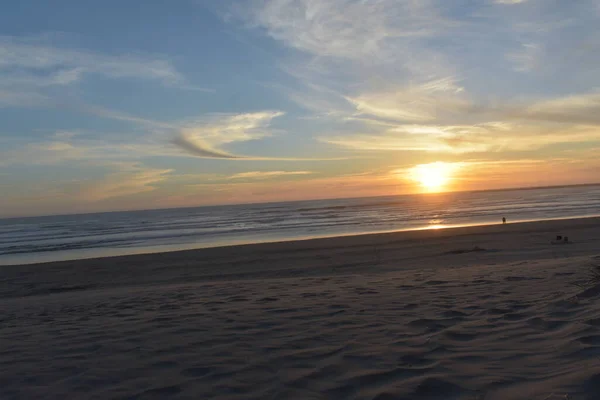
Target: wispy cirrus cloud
x=344 y=28
x=239 y=177
x=348 y=185
x=395 y=68
x=403 y=62
x=198 y=147
x=567 y=120
x=416 y=138
x=365 y=60
x=461 y=139
x=29 y=67
x=346 y=47
x=200 y=137
x=44 y=152
x=47 y=64
x=526 y=58
x=206 y=136
x=128 y=179
x=203 y=137
x=121 y=185
x=581 y=108
x=266 y=174
x=22 y=98
x=509 y=1
x=415 y=103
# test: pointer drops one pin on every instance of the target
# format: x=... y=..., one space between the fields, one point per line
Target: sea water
x=54 y=238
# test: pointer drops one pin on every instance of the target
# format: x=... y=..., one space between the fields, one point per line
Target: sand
x=490 y=313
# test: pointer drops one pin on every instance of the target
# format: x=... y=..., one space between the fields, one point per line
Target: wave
x=288 y=220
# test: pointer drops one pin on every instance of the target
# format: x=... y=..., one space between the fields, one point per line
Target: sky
x=112 y=105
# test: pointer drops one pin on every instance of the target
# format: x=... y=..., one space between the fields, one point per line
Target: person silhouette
x=503 y=220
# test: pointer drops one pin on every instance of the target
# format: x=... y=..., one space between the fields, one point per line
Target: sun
x=433 y=177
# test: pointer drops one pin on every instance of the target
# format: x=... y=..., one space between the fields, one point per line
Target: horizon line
x=298 y=201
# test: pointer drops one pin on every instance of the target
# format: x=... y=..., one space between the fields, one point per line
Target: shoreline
x=449 y=230
x=341 y=255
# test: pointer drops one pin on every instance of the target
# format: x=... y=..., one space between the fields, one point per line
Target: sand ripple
x=508 y=332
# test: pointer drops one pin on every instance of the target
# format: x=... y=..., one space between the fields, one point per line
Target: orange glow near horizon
x=433 y=177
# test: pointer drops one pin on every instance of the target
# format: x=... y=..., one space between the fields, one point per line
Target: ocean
x=66 y=237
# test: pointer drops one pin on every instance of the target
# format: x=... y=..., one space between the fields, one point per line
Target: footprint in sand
x=435 y=283
x=460 y=336
x=520 y=278
x=196 y=372
x=593 y=340
x=267 y=300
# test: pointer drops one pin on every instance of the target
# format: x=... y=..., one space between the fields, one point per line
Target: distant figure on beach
x=561 y=240
x=503 y=220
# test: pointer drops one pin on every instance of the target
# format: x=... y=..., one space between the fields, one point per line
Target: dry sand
x=411 y=315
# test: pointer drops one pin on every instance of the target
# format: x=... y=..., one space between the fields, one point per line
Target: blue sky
x=125 y=105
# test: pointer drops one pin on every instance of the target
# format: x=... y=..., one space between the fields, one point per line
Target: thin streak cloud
x=33 y=55
x=343 y=28
x=195 y=146
x=266 y=174
x=509 y=1
x=205 y=137
x=29 y=67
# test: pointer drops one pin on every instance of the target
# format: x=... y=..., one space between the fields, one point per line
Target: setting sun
x=433 y=177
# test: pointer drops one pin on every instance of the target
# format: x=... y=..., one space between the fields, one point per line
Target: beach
x=487 y=312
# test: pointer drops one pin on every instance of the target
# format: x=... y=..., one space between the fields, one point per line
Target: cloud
x=343 y=47
x=58 y=194
x=55 y=65
x=423 y=138
x=64 y=135
x=22 y=98
x=376 y=53
x=40 y=80
x=192 y=180
x=580 y=108
x=130 y=179
x=266 y=174
x=43 y=153
x=80 y=149
x=509 y=1
x=196 y=146
x=30 y=67
x=120 y=116
x=366 y=60
x=460 y=139
x=526 y=59
x=416 y=103
x=201 y=137
x=319 y=99
x=344 y=28
x=320 y=187
x=204 y=137
x=476 y=175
